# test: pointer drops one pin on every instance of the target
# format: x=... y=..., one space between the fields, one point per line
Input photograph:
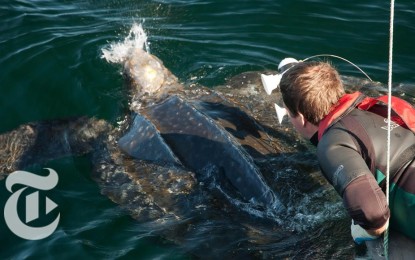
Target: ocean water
x=51 y=67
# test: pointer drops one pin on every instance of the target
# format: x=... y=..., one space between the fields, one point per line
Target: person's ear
x=303 y=120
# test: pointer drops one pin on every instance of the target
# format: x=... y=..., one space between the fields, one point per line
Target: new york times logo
x=11 y=212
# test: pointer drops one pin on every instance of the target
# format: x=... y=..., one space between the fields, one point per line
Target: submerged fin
x=144 y=142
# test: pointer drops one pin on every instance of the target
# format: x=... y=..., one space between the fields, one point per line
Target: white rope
x=392 y=11
x=341 y=58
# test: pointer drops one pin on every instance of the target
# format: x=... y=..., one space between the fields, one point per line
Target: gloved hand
x=360 y=235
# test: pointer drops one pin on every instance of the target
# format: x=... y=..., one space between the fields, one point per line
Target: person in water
x=350 y=132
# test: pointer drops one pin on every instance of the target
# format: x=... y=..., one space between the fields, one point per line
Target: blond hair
x=311 y=88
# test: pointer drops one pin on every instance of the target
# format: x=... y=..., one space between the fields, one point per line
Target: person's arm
x=366 y=204
x=343 y=165
x=379 y=231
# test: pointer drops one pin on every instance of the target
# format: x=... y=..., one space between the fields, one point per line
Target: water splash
x=313 y=210
x=118 y=52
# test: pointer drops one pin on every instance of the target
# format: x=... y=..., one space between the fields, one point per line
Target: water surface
x=51 y=67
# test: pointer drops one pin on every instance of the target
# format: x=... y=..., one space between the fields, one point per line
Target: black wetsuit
x=353 y=154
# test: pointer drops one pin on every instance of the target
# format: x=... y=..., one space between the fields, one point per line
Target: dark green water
x=50 y=67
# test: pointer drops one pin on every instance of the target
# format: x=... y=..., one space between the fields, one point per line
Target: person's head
x=311 y=89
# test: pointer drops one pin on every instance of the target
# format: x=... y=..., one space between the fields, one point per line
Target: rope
x=338 y=57
x=392 y=11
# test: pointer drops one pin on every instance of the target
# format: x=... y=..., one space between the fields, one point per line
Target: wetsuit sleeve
x=343 y=166
x=366 y=202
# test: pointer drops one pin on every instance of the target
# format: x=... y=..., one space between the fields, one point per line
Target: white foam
x=310 y=212
x=118 y=52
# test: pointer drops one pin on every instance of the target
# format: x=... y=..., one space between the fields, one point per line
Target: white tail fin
x=270 y=82
x=281 y=112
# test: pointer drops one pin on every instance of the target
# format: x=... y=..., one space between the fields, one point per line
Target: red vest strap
x=367 y=103
x=344 y=103
x=402 y=108
x=405 y=111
